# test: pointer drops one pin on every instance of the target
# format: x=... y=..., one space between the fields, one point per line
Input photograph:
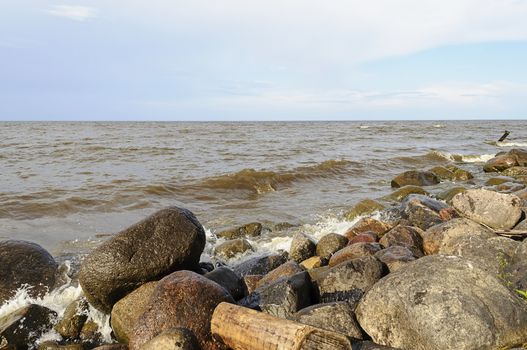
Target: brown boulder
x=290 y=268
x=302 y=248
x=182 y=299
x=354 y=251
x=365 y=237
x=329 y=244
x=367 y=225
x=415 y=178
x=406 y=236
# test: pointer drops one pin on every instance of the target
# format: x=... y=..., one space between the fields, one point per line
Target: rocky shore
x=412 y=271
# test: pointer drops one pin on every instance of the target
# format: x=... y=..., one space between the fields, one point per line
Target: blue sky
x=262 y=59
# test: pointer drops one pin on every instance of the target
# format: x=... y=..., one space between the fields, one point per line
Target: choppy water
x=65 y=185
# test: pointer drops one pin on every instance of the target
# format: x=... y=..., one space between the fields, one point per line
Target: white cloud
x=76 y=13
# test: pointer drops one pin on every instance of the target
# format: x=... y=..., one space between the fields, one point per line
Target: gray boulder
x=329 y=244
x=25 y=263
x=347 y=281
x=337 y=317
x=169 y=240
x=497 y=210
x=260 y=265
x=395 y=257
x=420 y=306
x=229 y=280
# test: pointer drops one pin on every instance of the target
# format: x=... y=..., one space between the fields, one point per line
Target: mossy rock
x=495 y=181
x=252 y=229
x=460 y=174
x=442 y=173
x=404 y=192
x=364 y=207
x=516 y=172
x=447 y=195
x=232 y=248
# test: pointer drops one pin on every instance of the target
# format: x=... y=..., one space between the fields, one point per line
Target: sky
x=263 y=59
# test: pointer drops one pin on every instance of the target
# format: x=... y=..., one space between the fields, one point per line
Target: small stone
x=302 y=248
x=232 y=248
x=253 y=229
x=313 y=262
x=260 y=265
x=73 y=319
x=447 y=195
x=404 y=192
x=330 y=244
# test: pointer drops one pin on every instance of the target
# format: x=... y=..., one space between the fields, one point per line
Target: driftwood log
x=241 y=328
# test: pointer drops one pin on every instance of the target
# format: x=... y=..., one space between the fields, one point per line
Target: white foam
x=475 y=158
x=438 y=126
x=511 y=144
x=57 y=301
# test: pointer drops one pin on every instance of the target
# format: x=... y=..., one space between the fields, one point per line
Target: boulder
x=330 y=244
x=71 y=323
x=173 y=339
x=260 y=265
x=250 y=282
x=517 y=172
x=498 y=180
x=423 y=212
x=127 y=311
x=418 y=307
x=365 y=237
x=229 y=280
x=500 y=163
x=91 y=335
x=415 y=178
x=459 y=174
x=337 y=317
x=169 y=240
x=364 y=207
x=347 y=281
x=283 y=297
x=406 y=236
x=232 y=248
x=25 y=263
x=253 y=229
x=51 y=345
x=181 y=299
x=288 y=269
x=497 y=210
x=302 y=248
x=21 y=328
x=403 y=192
x=354 y=251
x=369 y=225
x=395 y=257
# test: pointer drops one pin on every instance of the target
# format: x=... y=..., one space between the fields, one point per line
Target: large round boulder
x=25 y=263
x=183 y=299
x=418 y=308
x=169 y=240
x=497 y=210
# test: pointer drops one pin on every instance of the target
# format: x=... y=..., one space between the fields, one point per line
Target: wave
x=440 y=156
x=510 y=144
x=262 y=181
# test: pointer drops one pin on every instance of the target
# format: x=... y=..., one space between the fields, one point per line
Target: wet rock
x=127 y=311
x=229 y=280
x=519 y=172
x=73 y=320
x=437 y=294
x=404 y=192
x=459 y=174
x=206 y=266
x=182 y=299
x=25 y=263
x=253 y=229
x=365 y=237
x=494 y=181
x=406 y=236
x=250 y=283
x=173 y=339
x=354 y=251
x=313 y=262
x=369 y=225
x=282 y=298
x=447 y=195
x=169 y=240
x=422 y=211
x=505 y=160
x=91 y=334
x=329 y=244
x=230 y=249
x=288 y=269
x=395 y=257
x=337 y=317
x=415 y=178
x=112 y=347
x=347 y=281
x=260 y=265
x=364 y=207
x=302 y=248
x=497 y=210
x=21 y=328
